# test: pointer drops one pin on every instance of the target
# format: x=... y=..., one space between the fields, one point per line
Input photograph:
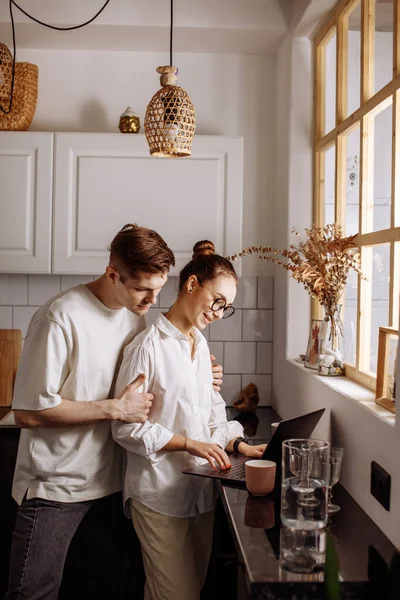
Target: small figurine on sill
x=248 y=399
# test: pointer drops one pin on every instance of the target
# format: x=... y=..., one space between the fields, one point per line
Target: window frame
x=370 y=104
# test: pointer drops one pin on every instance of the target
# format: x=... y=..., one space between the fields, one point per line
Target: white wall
x=232 y=94
x=295 y=390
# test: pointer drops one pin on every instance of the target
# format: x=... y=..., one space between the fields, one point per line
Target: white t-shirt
x=70 y=351
x=186 y=404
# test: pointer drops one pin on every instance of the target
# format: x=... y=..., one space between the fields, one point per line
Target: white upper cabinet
x=104 y=181
x=26 y=174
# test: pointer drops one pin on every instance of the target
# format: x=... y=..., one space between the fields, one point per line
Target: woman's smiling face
x=202 y=295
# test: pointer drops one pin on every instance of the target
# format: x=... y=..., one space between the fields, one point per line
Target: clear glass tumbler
x=304 y=501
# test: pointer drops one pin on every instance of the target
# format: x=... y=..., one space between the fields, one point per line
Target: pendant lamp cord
x=171 y=33
x=11 y=3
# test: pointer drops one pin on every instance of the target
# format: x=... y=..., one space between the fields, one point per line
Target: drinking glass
x=336 y=459
x=304 y=492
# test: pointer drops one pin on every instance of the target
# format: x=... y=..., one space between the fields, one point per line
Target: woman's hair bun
x=203 y=247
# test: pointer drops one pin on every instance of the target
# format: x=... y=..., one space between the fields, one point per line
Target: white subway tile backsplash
x=265 y=292
x=217 y=349
x=14 y=290
x=6 y=321
x=22 y=316
x=242 y=344
x=264 y=357
x=264 y=386
x=231 y=388
x=240 y=357
x=246 y=296
x=227 y=329
x=257 y=325
x=69 y=281
x=169 y=292
x=41 y=288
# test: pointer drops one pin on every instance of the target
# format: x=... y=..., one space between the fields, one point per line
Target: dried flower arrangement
x=321 y=263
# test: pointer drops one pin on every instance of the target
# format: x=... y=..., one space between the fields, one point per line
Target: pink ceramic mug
x=260 y=476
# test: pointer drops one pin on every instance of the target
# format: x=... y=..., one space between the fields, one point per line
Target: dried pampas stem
x=321 y=262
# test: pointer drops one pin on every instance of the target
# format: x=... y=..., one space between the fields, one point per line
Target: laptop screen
x=298 y=427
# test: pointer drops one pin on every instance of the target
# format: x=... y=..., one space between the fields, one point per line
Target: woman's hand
x=211 y=452
x=252 y=451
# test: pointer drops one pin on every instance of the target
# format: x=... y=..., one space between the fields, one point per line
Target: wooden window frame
x=370 y=104
x=382 y=397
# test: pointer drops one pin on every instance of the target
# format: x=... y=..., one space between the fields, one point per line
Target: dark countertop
x=364 y=552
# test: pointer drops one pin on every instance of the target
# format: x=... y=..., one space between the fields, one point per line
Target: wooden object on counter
x=10 y=351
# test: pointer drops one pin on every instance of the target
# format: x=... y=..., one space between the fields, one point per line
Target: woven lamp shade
x=24 y=93
x=170 y=120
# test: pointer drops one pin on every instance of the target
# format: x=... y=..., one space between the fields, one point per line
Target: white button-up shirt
x=186 y=404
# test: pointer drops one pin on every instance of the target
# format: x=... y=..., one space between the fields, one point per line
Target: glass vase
x=331 y=345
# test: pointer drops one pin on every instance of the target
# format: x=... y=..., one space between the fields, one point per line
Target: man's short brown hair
x=136 y=248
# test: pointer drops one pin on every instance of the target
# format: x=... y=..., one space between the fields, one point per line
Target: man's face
x=139 y=293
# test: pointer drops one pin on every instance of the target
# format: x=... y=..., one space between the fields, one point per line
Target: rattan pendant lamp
x=170 y=120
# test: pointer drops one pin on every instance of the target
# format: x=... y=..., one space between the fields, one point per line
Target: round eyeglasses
x=220 y=304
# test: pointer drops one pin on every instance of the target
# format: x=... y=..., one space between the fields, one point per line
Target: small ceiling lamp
x=170 y=120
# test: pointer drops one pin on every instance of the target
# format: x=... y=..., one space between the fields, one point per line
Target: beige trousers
x=176 y=552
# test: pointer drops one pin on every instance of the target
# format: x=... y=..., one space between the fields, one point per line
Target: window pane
x=353 y=60
x=377 y=204
x=383 y=43
x=382 y=169
x=396 y=286
x=330 y=84
x=352 y=182
x=350 y=318
x=380 y=297
x=329 y=185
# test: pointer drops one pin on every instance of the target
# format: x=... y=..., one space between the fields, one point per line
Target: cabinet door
x=104 y=181
x=26 y=175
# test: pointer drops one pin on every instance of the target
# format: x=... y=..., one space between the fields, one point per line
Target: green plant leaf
x=332 y=584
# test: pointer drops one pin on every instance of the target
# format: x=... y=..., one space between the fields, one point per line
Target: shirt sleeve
x=146 y=439
x=43 y=367
x=222 y=431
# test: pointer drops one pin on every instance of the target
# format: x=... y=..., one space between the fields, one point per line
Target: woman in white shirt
x=171 y=512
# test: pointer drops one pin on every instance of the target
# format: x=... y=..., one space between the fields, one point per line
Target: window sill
x=352 y=390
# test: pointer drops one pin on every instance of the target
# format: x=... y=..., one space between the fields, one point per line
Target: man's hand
x=217 y=374
x=132 y=406
x=211 y=452
x=252 y=451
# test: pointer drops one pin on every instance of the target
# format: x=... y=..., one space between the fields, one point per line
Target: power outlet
x=380 y=484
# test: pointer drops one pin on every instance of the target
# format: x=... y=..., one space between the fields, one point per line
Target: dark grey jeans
x=105 y=557
x=41 y=538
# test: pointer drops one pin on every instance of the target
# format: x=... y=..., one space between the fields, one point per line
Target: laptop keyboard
x=235 y=472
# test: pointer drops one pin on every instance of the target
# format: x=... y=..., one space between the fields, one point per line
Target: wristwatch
x=236 y=444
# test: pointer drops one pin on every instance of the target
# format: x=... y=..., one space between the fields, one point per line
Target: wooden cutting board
x=10 y=351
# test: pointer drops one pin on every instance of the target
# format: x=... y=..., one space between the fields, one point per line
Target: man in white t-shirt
x=67 y=460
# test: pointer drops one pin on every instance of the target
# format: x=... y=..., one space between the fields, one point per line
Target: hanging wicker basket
x=170 y=120
x=24 y=93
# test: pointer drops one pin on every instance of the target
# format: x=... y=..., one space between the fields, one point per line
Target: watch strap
x=236 y=444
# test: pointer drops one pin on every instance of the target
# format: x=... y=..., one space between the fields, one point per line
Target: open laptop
x=298 y=427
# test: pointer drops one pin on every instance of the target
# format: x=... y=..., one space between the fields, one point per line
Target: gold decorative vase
x=129 y=122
